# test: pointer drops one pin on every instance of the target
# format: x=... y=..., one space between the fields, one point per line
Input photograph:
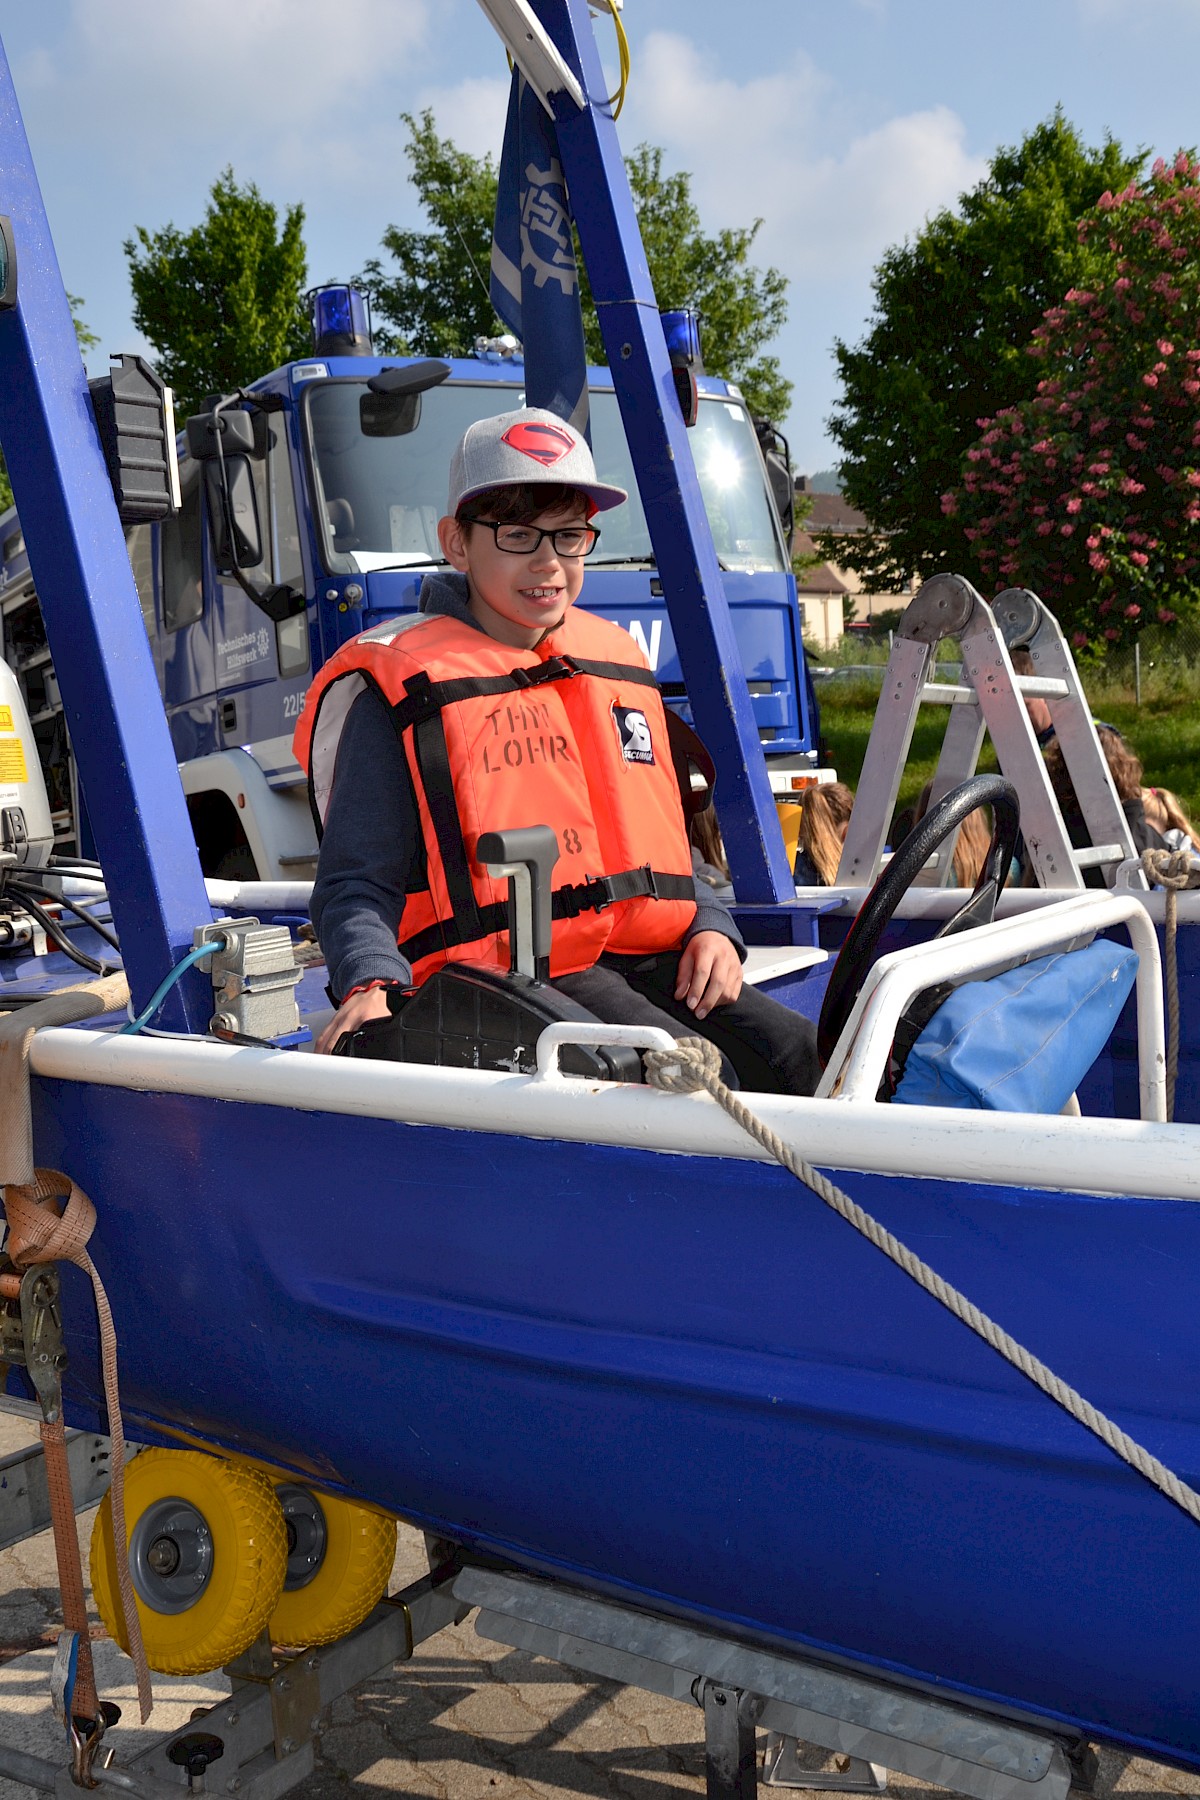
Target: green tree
x=87 y=340
x=954 y=311
x=84 y=335
x=224 y=302
x=1089 y=492
x=741 y=307
x=435 y=302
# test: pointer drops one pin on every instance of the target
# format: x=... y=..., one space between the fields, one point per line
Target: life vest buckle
x=601 y=891
x=555 y=668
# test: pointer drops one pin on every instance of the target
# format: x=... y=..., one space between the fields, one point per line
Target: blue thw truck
x=332 y=530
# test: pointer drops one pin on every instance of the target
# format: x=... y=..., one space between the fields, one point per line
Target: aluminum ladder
x=990 y=697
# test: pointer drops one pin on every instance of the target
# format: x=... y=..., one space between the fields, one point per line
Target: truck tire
x=237 y=864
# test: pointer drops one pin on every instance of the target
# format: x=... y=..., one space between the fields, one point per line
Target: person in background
x=970 y=846
x=708 y=854
x=1039 y=712
x=823 y=824
x=1126 y=770
x=1165 y=814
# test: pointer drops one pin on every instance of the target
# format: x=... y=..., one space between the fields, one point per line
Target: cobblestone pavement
x=464 y=1720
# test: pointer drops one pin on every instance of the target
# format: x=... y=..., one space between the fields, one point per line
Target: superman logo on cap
x=544 y=443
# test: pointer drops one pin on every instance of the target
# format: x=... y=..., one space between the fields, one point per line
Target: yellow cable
x=617 y=100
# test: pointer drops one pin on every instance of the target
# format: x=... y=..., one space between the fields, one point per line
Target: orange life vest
x=571 y=734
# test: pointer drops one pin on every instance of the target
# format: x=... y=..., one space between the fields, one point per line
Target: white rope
x=695 y=1064
x=1172 y=870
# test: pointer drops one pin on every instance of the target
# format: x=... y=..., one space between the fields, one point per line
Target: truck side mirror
x=224 y=440
x=777 y=459
x=783 y=492
x=233 y=513
x=231 y=432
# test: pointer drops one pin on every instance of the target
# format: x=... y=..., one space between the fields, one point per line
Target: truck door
x=187 y=671
x=262 y=667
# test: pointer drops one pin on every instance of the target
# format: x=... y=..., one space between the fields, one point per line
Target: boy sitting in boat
x=500 y=704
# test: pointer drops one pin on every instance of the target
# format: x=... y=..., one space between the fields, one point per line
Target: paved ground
x=464 y=1720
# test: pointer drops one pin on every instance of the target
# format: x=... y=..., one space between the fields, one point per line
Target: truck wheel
x=340 y=1554
x=237 y=864
x=207 y=1553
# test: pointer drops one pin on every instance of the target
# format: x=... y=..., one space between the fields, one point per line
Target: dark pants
x=764 y=1046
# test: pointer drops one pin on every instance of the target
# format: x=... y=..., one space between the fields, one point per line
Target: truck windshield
x=380 y=498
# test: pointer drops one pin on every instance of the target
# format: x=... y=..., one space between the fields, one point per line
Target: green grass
x=1165 y=732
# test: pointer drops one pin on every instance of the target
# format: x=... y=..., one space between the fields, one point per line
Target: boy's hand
x=371 y=1003
x=710 y=972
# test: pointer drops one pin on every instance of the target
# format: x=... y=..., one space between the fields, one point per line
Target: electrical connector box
x=254 y=977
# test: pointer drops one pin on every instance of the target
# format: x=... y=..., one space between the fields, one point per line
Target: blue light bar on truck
x=682 y=332
x=340 y=323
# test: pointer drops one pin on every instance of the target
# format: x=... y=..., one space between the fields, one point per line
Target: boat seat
x=340 y=515
x=476 y=1016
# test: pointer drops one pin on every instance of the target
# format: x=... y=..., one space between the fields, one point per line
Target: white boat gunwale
x=1086 y=1156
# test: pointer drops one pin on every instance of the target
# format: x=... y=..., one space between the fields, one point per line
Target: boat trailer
x=760 y=1707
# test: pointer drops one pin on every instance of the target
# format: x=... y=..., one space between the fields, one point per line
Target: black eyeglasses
x=522 y=540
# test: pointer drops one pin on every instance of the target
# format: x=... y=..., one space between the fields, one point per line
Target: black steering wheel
x=862 y=940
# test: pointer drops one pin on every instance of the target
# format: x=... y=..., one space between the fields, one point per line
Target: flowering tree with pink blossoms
x=1089 y=493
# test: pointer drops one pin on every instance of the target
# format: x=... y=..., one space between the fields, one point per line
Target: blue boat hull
x=680 y=1378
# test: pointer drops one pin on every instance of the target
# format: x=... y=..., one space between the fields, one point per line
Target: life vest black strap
x=424 y=697
x=433 y=769
x=565 y=903
x=600 y=891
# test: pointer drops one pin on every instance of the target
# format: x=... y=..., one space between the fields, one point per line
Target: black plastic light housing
x=135 y=416
x=8 y=265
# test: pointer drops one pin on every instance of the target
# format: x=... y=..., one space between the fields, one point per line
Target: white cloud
x=471 y=112
x=226 y=73
x=834 y=184
x=883 y=186
x=787 y=147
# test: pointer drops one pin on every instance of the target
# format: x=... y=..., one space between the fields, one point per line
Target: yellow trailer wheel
x=340 y=1554
x=207 y=1553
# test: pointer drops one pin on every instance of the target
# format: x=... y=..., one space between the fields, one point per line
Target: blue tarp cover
x=1024 y=1040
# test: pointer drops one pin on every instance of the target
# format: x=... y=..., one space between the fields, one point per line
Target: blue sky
x=843 y=125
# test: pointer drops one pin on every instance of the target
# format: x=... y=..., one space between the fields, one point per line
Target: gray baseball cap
x=518 y=447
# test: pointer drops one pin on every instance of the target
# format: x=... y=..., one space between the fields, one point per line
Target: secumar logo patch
x=633 y=734
x=546 y=444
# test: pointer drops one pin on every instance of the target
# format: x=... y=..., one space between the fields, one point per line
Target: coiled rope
x=694 y=1065
x=1170 y=870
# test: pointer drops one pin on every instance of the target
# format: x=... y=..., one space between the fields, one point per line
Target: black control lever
x=527 y=856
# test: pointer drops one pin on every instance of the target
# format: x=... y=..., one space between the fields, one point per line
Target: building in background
x=831 y=593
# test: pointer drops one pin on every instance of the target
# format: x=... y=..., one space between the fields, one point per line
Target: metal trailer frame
x=260 y=1743
x=264 y=1736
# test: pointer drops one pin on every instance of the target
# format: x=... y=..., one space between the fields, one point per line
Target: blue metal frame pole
x=687 y=562
x=90 y=607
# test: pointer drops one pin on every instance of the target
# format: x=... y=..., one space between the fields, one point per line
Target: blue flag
x=535 y=281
